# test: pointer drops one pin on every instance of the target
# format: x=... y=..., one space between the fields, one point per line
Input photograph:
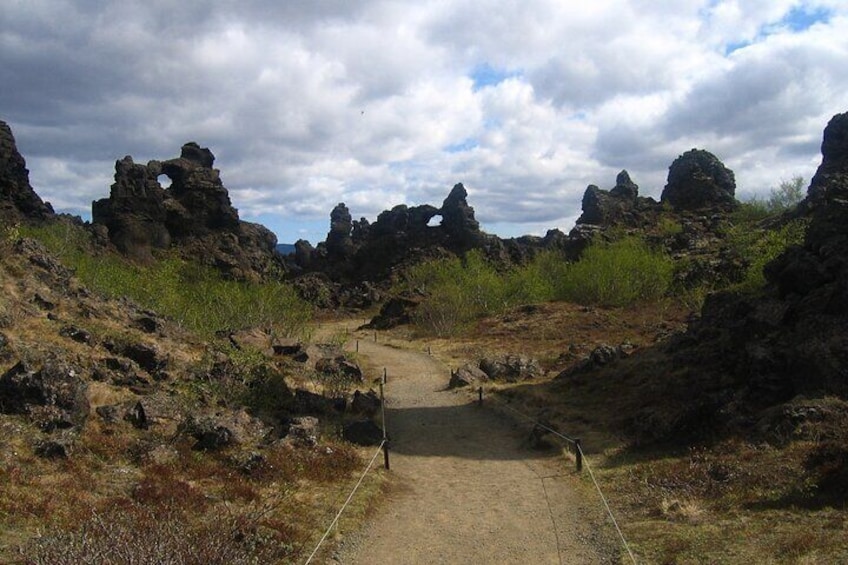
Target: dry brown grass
x=729 y=500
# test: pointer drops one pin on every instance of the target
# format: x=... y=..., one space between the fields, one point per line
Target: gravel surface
x=466 y=486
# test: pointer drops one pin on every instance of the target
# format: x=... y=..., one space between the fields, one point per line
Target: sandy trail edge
x=466 y=487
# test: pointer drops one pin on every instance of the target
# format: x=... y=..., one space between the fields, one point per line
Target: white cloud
x=307 y=104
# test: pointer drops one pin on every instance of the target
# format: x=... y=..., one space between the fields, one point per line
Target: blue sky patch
x=487 y=75
x=466 y=144
x=735 y=46
x=800 y=18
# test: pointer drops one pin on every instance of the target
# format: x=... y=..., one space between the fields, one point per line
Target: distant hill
x=285 y=248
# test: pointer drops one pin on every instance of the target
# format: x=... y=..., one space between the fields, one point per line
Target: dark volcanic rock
x=194 y=212
x=306 y=402
x=135 y=213
x=367 y=403
x=752 y=352
x=304 y=431
x=77 y=334
x=56 y=394
x=458 y=219
x=467 y=375
x=698 y=180
x=358 y=251
x=58 y=447
x=396 y=311
x=220 y=430
x=340 y=239
x=510 y=368
x=363 y=432
x=17 y=197
x=620 y=205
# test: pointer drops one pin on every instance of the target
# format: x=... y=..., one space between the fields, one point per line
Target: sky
x=375 y=103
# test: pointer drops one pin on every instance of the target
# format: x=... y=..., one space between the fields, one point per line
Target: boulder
x=76 y=334
x=303 y=431
x=56 y=395
x=698 y=180
x=339 y=366
x=147 y=356
x=396 y=311
x=366 y=403
x=467 y=375
x=132 y=412
x=217 y=431
x=56 y=447
x=510 y=368
x=363 y=432
x=306 y=402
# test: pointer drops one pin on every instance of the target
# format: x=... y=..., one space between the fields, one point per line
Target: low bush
x=196 y=296
x=459 y=291
x=616 y=274
x=757 y=247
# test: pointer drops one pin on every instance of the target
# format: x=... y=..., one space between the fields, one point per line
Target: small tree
x=787 y=194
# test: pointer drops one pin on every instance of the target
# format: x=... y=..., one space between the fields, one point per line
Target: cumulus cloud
x=380 y=102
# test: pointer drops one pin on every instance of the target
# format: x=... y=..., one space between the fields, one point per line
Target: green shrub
x=787 y=194
x=459 y=290
x=757 y=247
x=196 y=296
x=616 y=274
x=537 y=280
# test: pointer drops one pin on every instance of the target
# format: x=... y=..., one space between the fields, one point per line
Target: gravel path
x=466 y=489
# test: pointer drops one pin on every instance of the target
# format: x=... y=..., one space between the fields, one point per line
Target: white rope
x=336 y=519
x=535 y=421
x=606 y=505
x=588 y=468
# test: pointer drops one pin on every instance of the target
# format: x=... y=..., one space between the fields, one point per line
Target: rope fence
x=580 y=456
x=349 y=498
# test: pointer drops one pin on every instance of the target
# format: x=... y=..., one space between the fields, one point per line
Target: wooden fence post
x=383 y=410
x=386 y=455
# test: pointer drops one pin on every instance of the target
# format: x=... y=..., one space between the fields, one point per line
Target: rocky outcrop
x=698 y=180
x=194 y=214
x=18 y=200
x=793 y=338
x=619 y=206
x=357 y=251
x=458 y=220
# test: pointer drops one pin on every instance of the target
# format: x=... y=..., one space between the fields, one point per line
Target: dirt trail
x=468 y=490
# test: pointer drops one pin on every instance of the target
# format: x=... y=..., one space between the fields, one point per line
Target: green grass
x=197 y=297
